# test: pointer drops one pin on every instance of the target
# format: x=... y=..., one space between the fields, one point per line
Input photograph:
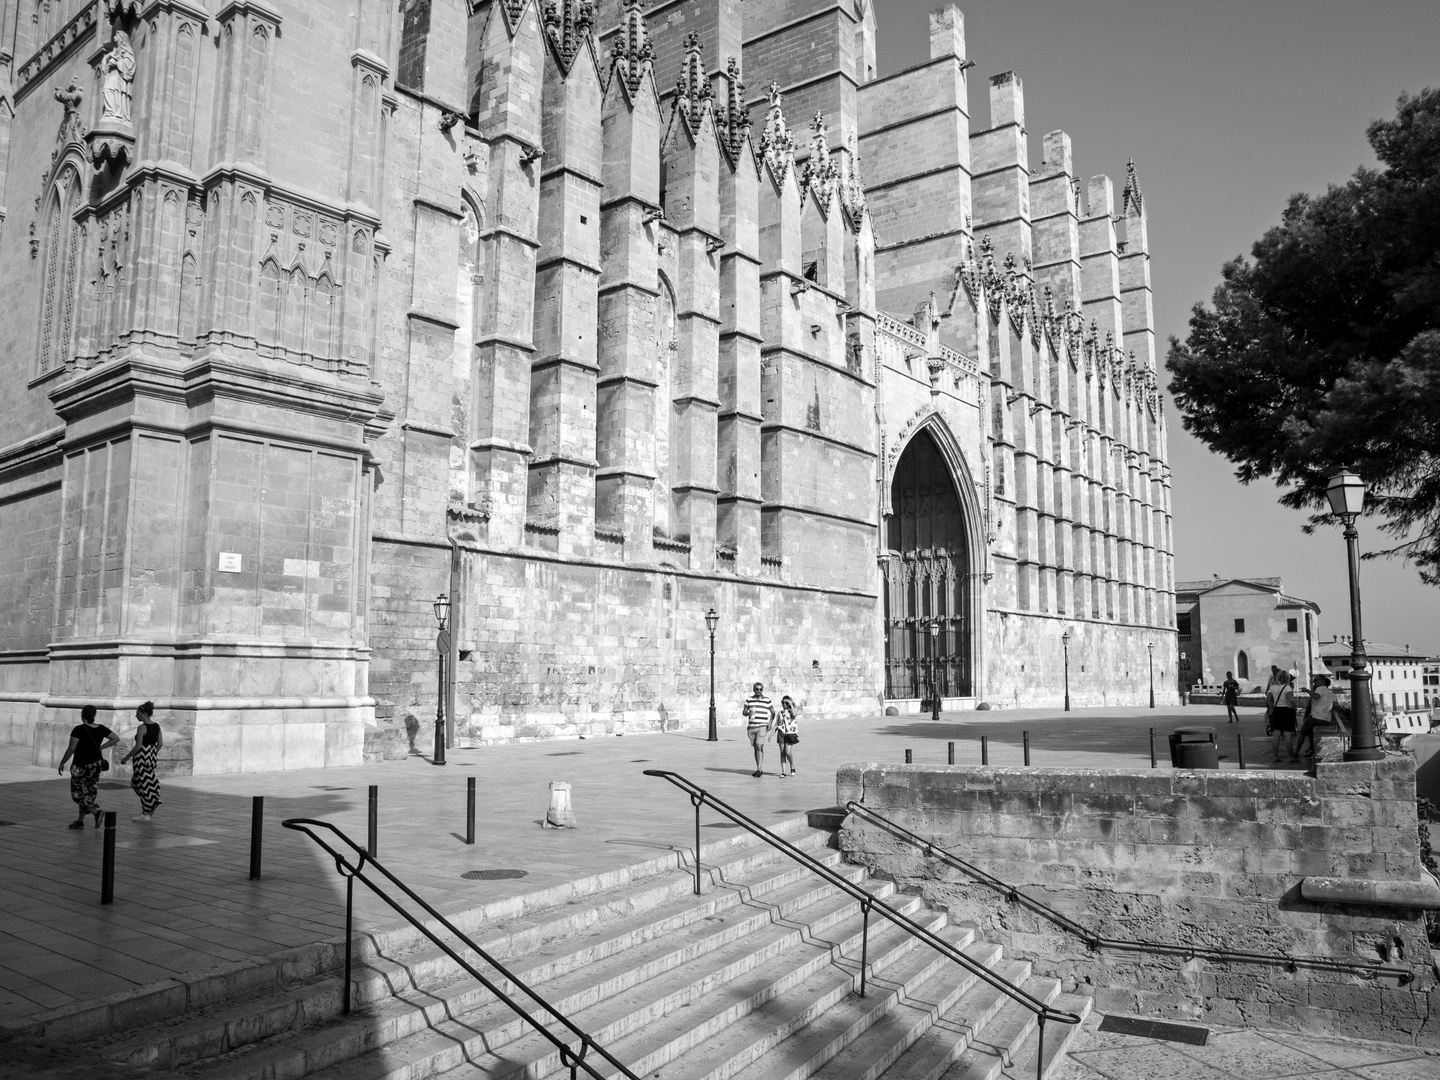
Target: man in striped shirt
x=759 y=723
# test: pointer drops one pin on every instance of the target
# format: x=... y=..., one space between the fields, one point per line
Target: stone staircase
x=757 y=978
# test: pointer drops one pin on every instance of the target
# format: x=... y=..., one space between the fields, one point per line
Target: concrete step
x=1058 y=1038
x=996 y=1044
x=654 y=1021
x=627 y=914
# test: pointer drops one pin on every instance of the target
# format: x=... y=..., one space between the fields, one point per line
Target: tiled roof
x=1373 y=649
x=1211 y=583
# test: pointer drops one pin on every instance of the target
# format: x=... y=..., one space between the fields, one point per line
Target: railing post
x=696 y=803
x=107 y=863
x=984 y=750
x=864 y=943
x=349 y=917
x=372 y=844
x=257 y=830
x=1026 y=736
x=1152 y=749
x=907 y=756
x=951 y=753
x=1040 y=1050
x=1240 y=746
x=470 y=810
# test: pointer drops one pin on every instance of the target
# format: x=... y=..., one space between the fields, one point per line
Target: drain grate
x=564 y=753
x=493 y=875
x=720 y=825
x=4 y=823
x=328 y=787
x=1155 y=1029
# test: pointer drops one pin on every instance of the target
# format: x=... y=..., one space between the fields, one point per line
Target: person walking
x=1282 y=718
x=789 y=735
x=1272 y=688
x=759 y=723
x=1231 y=698
x=1319 y=713
x=148 y=741
x=88 y=743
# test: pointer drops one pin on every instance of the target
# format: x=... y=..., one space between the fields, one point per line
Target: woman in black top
x=1232 y=698
x=148 y=741
x=88 y=741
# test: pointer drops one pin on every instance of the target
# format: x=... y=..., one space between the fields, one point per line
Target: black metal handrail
x=1095 y=942
x=700 y=797
x=569 y=1059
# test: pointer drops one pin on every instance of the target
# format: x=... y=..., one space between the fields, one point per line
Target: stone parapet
x=1322 y=867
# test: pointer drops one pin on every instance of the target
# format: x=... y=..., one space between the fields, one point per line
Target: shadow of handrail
x=569 y=1059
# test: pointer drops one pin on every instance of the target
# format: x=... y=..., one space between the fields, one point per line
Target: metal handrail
x=1095 y=942
x=700 y=797
x=569 y=1059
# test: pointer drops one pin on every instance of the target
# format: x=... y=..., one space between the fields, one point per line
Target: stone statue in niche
x=118 y=68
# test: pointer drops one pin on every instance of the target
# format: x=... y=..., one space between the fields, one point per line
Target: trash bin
x=1194 y=748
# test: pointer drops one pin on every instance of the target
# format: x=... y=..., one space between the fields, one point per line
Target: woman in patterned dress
x=148 y=741
x=88 y=743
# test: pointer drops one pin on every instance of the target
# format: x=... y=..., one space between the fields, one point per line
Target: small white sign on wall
x=229 y=562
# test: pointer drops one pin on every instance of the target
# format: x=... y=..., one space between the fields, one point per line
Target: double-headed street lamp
x=1065 y=643
x=712 y=619
x=1150 y=645
x=442 y=648
x=1346 y=493
x=934 y=669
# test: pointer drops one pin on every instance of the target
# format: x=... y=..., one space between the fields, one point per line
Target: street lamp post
x=712 y=619
x=442 y=649
x=1065 y=643
x=1150 y=645
x=1346 y=493
x=934 y=669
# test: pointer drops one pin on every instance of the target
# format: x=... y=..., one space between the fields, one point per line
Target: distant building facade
x=1244 y=625
x=316 y=310
x=1399 y=681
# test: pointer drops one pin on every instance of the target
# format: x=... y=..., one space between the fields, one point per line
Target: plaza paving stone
x=184 y=902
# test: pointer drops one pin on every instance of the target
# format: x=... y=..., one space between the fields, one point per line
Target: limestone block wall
x=1322 y=866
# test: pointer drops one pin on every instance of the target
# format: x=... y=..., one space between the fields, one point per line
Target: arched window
x=58 y=271
x=1242 y=665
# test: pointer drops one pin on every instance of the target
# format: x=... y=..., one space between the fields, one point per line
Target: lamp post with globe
x=1150 y=647
x=1065 y=644
x=442 y=649
x=1346 y=493
x=934 y=669
x=712 y=619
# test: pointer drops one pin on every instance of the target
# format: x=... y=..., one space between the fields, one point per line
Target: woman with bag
x=789 y=735
x=88 y=743
x=148 y=741
x=1282 y=718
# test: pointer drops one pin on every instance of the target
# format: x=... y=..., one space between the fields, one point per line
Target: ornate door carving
x=926 y=576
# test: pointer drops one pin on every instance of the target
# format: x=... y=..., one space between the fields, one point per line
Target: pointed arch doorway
x=927 y=580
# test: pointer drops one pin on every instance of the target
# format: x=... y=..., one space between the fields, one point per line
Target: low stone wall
x=1306 y=866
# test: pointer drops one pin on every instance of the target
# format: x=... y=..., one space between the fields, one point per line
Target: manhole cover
x=3 y=823
x=328 y=787
x=1155 y=1029
x=564 y=753
x=492 y=875
x=721 y=825
x=641 y=761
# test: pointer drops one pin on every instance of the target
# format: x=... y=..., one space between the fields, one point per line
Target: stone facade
x=1245 y=625
x=325 y=309
x=1320 y=867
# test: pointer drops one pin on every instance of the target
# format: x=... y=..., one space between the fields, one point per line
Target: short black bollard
x=374 y=838
x=907 y=757
x=984 y=750
x=1152 y=749
x=1240 y=745
x=107 y=866
x=1026 y=736
x=257 y=828
x=470 y=810
x=952 y=753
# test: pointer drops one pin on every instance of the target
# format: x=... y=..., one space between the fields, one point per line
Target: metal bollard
x=1152 y=749
x=952 y=753
x=1240 y=745
x=257 y=828
x=1026 y=736
x=470 y=810
x=984 y=750
x=374 y=839
x=107 y=866
x=907 y=757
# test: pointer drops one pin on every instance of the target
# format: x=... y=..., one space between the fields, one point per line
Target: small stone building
x=592 y=317
x=1244 y=625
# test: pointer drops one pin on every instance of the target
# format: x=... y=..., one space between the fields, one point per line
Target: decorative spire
x=777 y=145
x=568 y=23
x=633 y=56
x=732 y=118
x=1131 y=194
x=852 y=189
x=820 y=174
x=692 y=89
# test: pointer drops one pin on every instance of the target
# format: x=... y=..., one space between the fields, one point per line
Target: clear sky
x=1227 y=109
